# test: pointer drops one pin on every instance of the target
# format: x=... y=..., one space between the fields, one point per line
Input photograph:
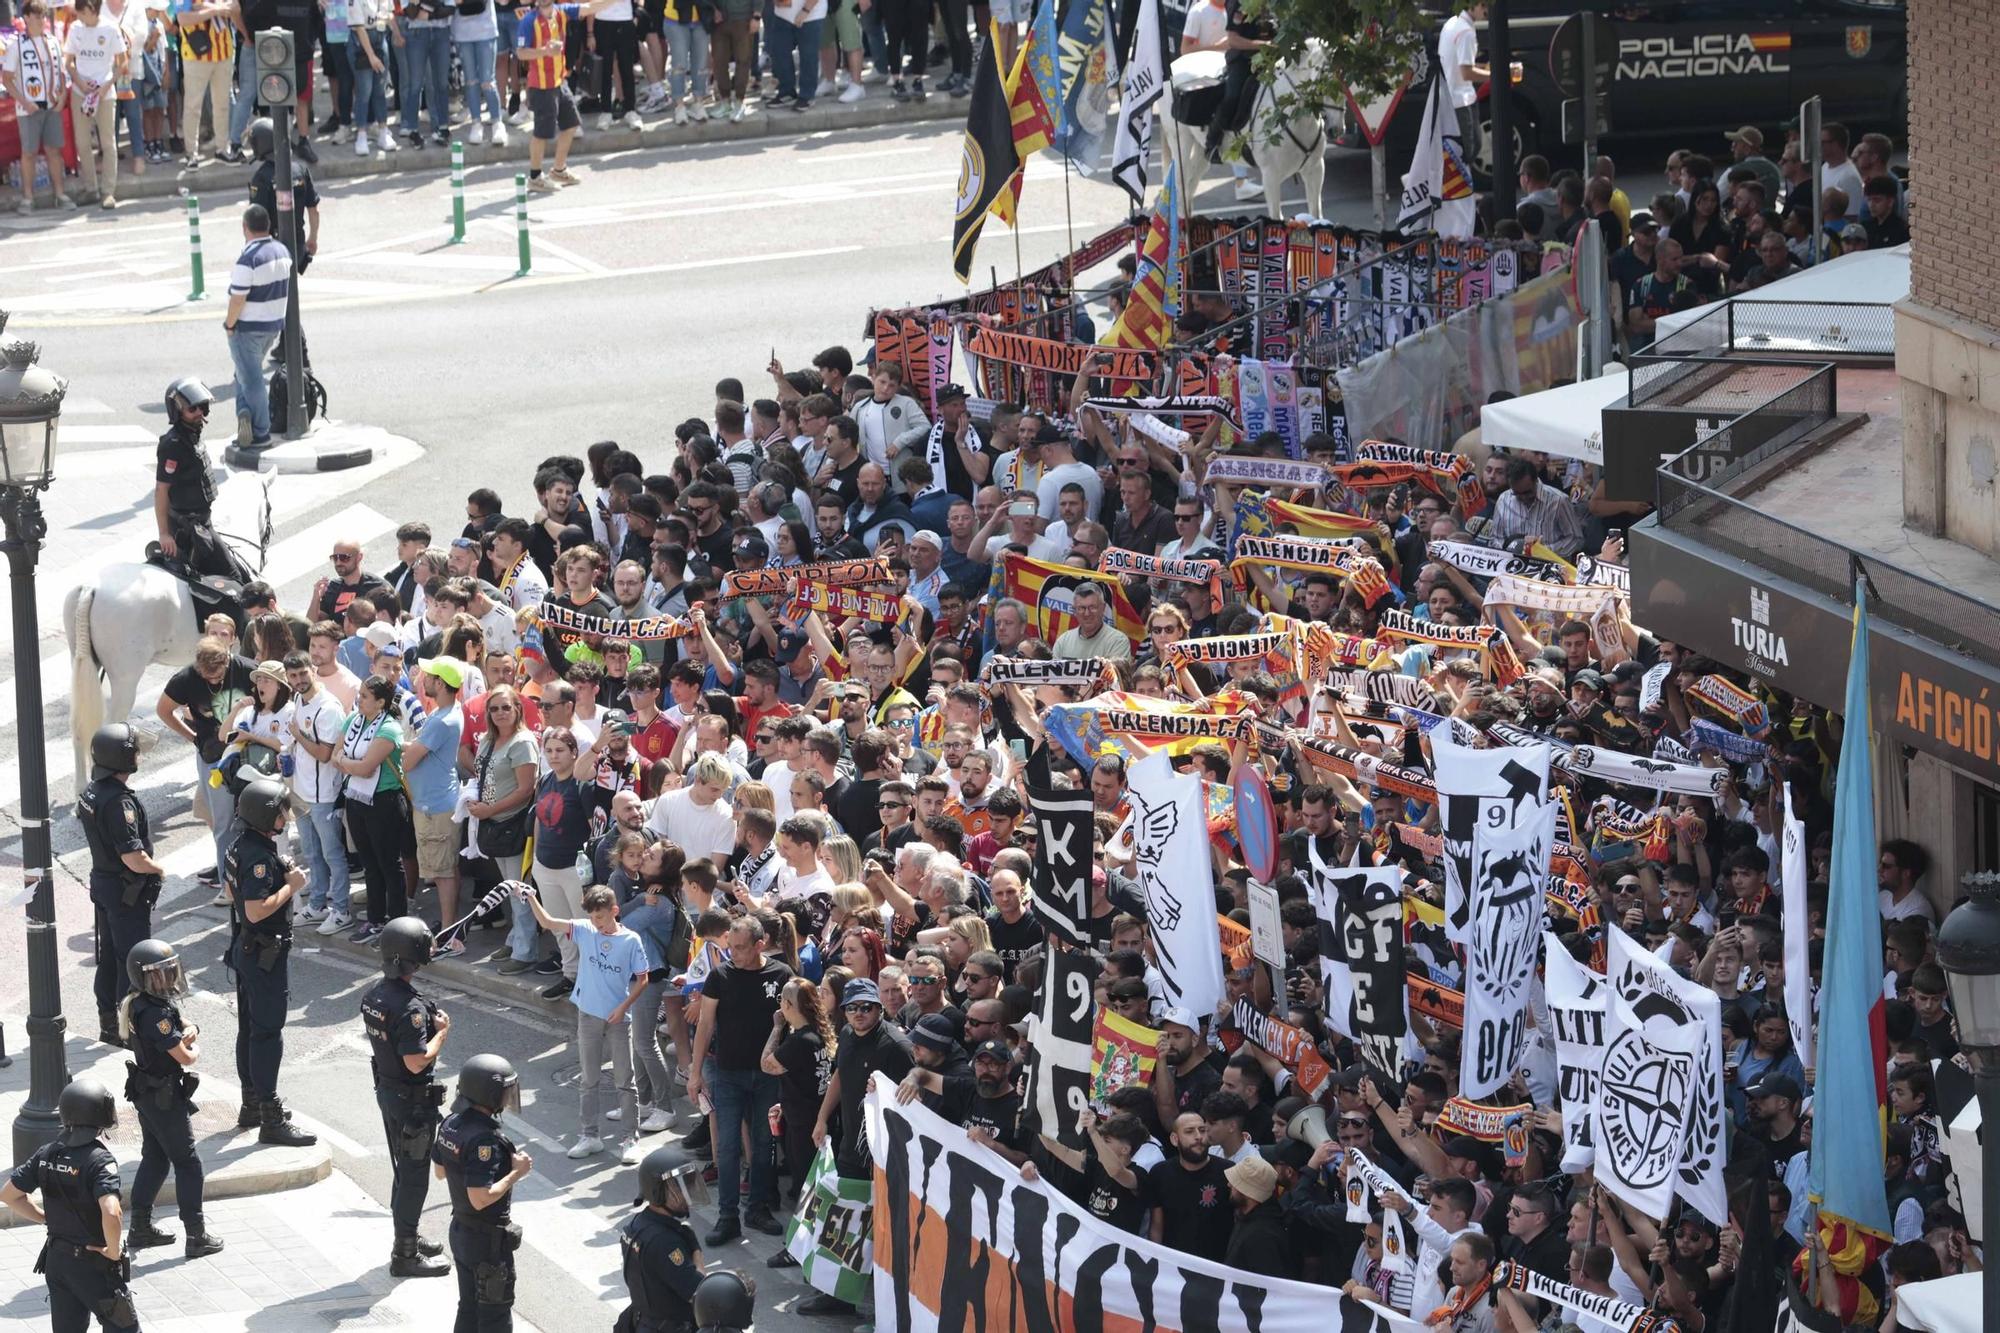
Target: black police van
x=1699 y=67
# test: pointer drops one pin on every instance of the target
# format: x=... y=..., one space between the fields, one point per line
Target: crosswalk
x=99 y=513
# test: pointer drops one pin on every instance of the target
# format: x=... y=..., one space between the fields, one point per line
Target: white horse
x=1298 y=149
x=125 y=619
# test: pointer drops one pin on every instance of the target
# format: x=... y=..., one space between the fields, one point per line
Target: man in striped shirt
x=259 y=287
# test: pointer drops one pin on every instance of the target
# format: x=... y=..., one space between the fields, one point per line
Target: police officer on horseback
x=160 y=1083
x=262 y=885
x=124 y=878
x=83 y=1261
x=405 y=1034
x=481 y=1166
x=184 y=490
x=661 y=1259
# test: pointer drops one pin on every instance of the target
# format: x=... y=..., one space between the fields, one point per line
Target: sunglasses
x=923 y=981
x=974 y=976
x=860 y=1005
x=895 y=805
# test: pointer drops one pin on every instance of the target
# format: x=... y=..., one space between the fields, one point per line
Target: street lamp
x=1968 y=948
x=31 y=401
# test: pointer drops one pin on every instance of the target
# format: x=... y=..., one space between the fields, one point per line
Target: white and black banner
x=1063 y=862
x=1388 y=687
x=1622 y=1316
x=1171 y=861
x=1604 y=574
x=1499 y=833
x=1250 y=470
x=1658 y=1122
x=1083 y=671
x=1576 y=1010
x=1060 y=1065
x=1361 y=958
x=1485 y=562
x=1132 y=150
x=1627 y=770
x=1793 y=873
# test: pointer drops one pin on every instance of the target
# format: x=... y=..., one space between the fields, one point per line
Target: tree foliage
x=1363 y=45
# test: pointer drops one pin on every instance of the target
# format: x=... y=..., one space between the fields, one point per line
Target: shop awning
x=1567 y=421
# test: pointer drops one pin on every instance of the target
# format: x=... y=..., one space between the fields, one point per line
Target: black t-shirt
x=884 y=1050
x=744 y=1003
x=304 y=196
x=1109 y=1201
x=72 y=1180
x=562 y=826
x=845 y=482
x=333 y=602
x=1013 y=942
x=1000 y=1116
x=208 y=704
x=1192 y=1089
x=182 y=463
x=1626 y=268
x=860 y=808
x=715 y=547
x=1195 y=1205
x=808 y=1069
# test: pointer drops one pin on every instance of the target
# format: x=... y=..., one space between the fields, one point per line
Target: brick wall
x=1954 y=86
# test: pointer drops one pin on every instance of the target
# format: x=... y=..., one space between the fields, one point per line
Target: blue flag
x=1849 y=1079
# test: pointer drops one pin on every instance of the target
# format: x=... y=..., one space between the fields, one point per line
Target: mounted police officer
x=184 y=490
x=84 y=1260
x=124 y=877
x=481 y=1166
x=160 y=1083
x=405 y=1034
x=723 y=1301
x=662 y=1261
x=261 y=885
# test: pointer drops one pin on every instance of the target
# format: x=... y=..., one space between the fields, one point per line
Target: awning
x=1566 y=421
x=1942 y=1305
x=1867 y=277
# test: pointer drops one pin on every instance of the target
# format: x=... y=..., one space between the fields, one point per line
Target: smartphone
x=1019 y=749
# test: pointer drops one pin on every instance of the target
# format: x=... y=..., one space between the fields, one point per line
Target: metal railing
x=1746 y=325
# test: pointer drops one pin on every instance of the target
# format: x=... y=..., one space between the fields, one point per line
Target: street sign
x=1256 y=823
x=1573 y=130
x=1374 y=115
x=1566 y=53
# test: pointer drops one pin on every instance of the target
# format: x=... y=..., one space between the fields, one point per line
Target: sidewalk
x=220 y=180
x=303 y=1262
x=469 y=973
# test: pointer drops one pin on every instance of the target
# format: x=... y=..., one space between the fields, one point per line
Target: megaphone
x=1308 y=1127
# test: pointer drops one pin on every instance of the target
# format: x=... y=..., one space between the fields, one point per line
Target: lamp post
x=1968 y=948
x=30 y=409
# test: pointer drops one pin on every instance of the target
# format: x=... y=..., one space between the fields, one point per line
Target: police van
x=1699 y=68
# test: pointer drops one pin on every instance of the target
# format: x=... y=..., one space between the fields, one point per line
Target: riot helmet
x=262 y=806
x=113 y=749
x=490 y=1083
x=406 y=946
x=87 y=1110
x=723 y=1302
x=155 y=969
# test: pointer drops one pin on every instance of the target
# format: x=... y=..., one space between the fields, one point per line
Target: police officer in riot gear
x=405 y=1034
x=160 y=1083
x=662 y=1261
x=124 y=877
x=301 y=240
x=84 y=1260
x=261 y=885
x=722 y=1303
x=481 y=1165
x=184 y=491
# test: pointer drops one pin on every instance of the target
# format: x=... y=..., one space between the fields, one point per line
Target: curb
x=259 y=1170
x=221 y=180
x=468 y=976
x=297 y=456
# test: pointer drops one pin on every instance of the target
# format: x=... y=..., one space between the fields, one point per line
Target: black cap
x=1588 y=678
x=1290 y=1153
x=951 y=392
x=752 y=544
x=1775 y=1085
x=993 y=1049
x=934 y=1031
x=1350 y=1077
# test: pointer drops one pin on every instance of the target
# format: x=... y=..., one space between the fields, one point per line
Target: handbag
x=506 y=835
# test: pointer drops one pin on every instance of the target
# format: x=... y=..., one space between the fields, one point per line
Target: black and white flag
x=1170 y=858
x=1063 y=863
x=1138 y=100
x=1576 y=1009
x=1658 y=1121
x=1060 y=1068
x=1360 y=912
x=1499 y=833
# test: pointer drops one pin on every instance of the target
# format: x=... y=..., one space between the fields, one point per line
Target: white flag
x=1437 y=191
x=1132 y=151
x=1576 y=1008
x=1170 y=856
x=1792 y=874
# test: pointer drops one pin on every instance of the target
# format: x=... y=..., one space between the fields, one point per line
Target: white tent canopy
x=1942 y=1305
x=1566 y=421
x=1867 y=277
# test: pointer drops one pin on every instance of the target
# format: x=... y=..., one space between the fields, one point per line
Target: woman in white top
x=262 y=720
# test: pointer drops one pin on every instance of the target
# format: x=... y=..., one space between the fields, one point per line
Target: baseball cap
x=1749 y=134
x=379 y=635
x=935 y=1032
x=1644 y=221
x=952 y=391
x=791 y=643
x=993 y=1049
x=1774 y=1085
x=751 y=544
x=447 y=669
x=861 y=991
x=1254 y=1178
x=1854 y=231
x=1588 y=678
x=1290 y=1153
x=1350 y=1077
x=925 y=537
x=1181 y=1018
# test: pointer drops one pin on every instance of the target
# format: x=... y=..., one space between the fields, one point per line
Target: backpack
x=281 y=401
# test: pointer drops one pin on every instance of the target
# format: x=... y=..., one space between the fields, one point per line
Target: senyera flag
x=1045 y=589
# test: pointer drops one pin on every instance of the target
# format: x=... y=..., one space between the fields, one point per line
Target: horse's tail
x=86 y=693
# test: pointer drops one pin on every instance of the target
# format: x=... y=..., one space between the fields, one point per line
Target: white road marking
x=127 y=434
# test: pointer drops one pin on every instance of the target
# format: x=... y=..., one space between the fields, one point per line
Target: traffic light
x=277 y=71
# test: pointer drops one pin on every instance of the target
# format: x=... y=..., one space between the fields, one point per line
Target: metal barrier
x=1765 y=328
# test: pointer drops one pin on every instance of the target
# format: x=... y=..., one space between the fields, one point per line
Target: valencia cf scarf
x=1496 y=654
x=650 y=629
x=831 y=573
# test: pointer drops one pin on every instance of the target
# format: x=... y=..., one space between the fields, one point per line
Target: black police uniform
x=82 y=1285
x=260 y=953
x=122 y=899
x=473 y=1151
x=181 y=464
x=401 y=1022
x=658 y=1253
x=161 y=1090
x=305 y=195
